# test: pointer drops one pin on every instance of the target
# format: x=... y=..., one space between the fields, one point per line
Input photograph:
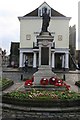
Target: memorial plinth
x=44 y=71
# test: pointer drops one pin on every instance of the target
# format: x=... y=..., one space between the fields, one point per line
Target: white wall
x=29 y=26
x=79 y=25
x=60 y=27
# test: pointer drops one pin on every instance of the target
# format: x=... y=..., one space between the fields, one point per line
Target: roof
x=54 y=13
x=33 y=13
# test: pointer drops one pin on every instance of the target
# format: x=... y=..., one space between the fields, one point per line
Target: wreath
x=59 y=83
x=53 y=80
x=44 y=81
x=28 y=83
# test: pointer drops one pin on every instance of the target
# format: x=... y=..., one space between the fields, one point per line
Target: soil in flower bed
x=5 y=83
x=42 y=98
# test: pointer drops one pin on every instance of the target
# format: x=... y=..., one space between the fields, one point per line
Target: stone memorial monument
x=44 y=40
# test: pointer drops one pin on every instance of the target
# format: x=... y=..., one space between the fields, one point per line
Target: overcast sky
x=10 y=10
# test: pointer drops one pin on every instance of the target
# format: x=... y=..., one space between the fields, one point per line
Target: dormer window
x=41 y=10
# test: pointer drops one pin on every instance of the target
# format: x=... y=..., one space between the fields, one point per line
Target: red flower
x=44 y=81
x=59 y=83
x=67 y=86
x=28 y=82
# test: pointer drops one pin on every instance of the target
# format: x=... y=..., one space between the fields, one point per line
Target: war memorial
x=45 y=96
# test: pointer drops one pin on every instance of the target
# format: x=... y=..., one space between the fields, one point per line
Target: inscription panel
x=44 y=55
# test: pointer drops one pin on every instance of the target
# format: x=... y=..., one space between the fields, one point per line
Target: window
x=59 y=37
x=28 y=37
x=41 y=11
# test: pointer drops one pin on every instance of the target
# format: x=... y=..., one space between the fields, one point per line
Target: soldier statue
x=46 y=20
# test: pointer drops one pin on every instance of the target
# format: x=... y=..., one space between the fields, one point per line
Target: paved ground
x=17 y=75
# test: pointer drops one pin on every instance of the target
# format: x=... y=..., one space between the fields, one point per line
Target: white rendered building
x=79 y=25
x=79 y=34
x=30 y=27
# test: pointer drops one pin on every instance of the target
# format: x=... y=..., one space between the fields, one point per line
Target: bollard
x=21 y=76
x=64 y=77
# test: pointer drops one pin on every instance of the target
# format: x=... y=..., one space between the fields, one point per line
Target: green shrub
x=43 y=95
x=42 y=98
x=5 y=83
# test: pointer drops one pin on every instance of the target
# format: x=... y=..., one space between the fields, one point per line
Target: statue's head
x=45 y=10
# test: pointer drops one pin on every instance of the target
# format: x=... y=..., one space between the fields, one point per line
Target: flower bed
x=42 y=98
x=5 y=83
x=77 y=83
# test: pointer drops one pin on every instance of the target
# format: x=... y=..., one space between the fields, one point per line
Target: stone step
x=45 y=87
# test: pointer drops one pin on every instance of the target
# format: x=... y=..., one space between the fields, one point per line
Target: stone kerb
x=31 y=113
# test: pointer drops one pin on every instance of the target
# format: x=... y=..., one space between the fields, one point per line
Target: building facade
x=79 y=33
x=72 y=46
x=30 y=28
x=79 y=25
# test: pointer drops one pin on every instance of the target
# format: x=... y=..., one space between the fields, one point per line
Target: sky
x=10 y=10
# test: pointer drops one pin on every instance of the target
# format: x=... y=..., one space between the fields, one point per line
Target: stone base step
x=45 y=87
